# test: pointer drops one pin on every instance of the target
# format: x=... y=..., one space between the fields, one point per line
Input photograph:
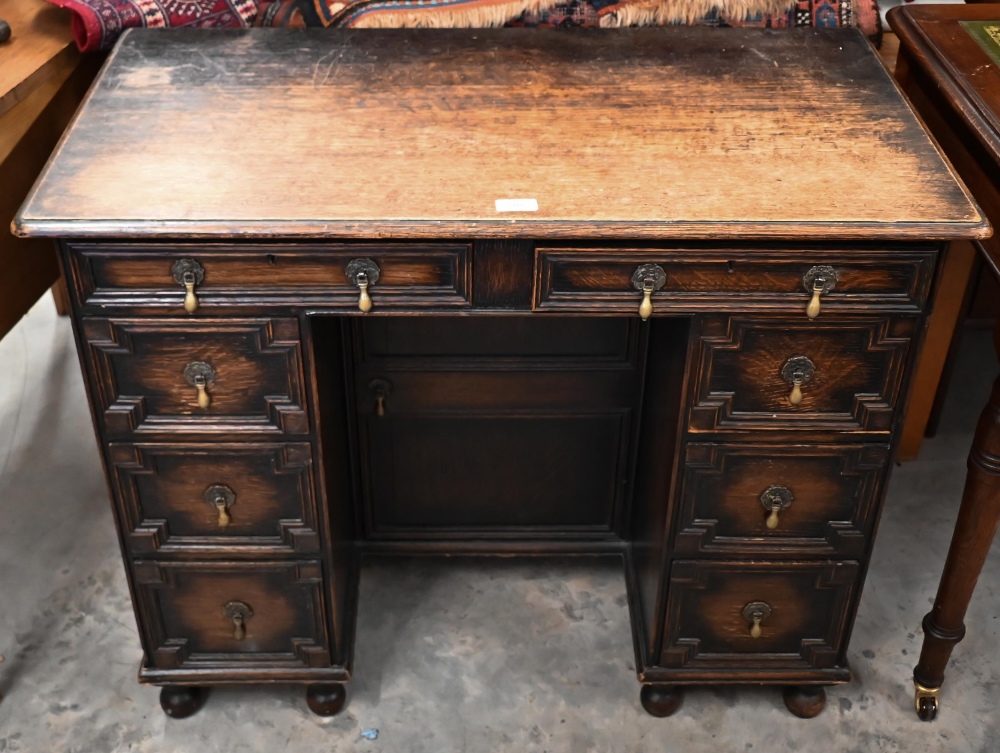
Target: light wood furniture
x=955 y=85
x=311 y=332
x=42 y=80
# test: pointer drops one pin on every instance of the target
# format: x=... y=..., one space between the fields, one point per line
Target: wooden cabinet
x=690 y=355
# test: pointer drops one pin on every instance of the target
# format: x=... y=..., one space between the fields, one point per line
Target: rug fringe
x=476 y=17
x=664 y=12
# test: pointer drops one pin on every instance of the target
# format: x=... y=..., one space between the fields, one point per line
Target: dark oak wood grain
x=441 y=121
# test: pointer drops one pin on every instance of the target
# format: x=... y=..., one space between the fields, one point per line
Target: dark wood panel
x=807 y=602
x=527 y=342
x=140 y=366
x=832 y=491
x=496 y=473
x=858 y=362
x=589 y=279
x=186 y=625
x=656 y=463
x=136 y=274
x=165 y=495
x=503 y=273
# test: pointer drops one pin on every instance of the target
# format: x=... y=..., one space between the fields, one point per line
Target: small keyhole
x=730 y=266
x=271 y=260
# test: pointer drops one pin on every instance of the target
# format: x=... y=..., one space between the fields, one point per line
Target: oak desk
x=320 y=316
x=955 y=84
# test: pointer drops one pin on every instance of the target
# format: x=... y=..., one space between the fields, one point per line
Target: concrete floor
x=452 y=655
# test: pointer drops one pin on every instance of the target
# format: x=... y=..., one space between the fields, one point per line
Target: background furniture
x=415 y=320
x=955 y=85
x=42 y=80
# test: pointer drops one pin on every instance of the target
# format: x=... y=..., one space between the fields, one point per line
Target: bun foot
x=180 y=702
x=805 y=701
x=326 y=700
x=661 y=700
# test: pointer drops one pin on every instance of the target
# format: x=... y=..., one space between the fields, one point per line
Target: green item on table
x=987 y=33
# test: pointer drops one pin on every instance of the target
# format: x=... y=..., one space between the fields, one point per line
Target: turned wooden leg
x=974 y=531
x=326 y=700
x=179 y=702
x=661 y=700
x=805 y=701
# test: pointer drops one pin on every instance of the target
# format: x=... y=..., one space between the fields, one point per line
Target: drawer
x=230 y=498
x=147 y=372
x=409 y=275
x=191 y=614
x=850 y=371
x=582 y=279
x=803 y=609
x=820 y=499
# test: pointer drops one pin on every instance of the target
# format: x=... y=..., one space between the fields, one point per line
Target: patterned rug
x=98 y=23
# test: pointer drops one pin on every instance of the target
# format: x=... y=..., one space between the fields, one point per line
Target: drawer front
x=147 y=373
x=410 y=275
x=190 y=611
x=804 y=614
x=602 y=279
x=224 y=498
x=850 y=372
x=778 y=501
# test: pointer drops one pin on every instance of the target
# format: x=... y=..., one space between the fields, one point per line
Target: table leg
x=970 y=543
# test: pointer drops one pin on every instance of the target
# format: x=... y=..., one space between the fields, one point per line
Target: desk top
x=643 y=133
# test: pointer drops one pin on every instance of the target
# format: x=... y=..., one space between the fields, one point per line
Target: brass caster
x=926 y=702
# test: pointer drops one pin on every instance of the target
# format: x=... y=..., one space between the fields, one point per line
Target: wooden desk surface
x=686 y=133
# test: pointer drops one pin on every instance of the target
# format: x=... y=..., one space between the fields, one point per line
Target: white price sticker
x=517 y=205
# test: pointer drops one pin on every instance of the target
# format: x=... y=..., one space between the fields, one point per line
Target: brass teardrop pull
x=774 y=499
x=797 y=371
x=363 y=273
x=189 y=274
x=200 y=375
x=380 y=390
x=364 y=300
x=818 y=281
x=755 y=613
x=647 y=279
x=238 y=613
x=222 y=498
x=795 y=396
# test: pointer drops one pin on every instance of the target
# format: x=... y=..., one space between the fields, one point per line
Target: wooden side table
x=955 y=84
x=42 y=80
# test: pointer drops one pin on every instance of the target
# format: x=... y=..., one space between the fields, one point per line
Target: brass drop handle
x=797 y=371
x=200 y=375
x=774 y=499
x=363 y=273
x=647 y=279
x=364 y=300
x=818 y=281
x=755 y=613
x=380 y=389
x=222 y=498
x=189 y=274
x=238 y=613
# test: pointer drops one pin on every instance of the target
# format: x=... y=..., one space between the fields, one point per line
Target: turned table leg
x=974 y=531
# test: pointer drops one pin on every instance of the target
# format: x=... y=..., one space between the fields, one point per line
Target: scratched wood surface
x=687 y=133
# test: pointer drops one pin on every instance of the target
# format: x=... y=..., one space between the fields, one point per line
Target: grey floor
x=453 y=655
